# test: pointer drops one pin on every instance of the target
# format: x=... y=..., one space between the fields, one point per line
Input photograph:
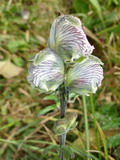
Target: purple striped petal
x=46 y=71
x=85 y=77
x=68 y=38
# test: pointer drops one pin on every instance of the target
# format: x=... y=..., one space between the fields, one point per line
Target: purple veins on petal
x=46 y=71
x=68 y=38
x=85 y=77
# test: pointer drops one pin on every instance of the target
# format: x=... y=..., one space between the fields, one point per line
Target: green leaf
x=18 y=61
x=16 y=45
x=114 y=141
x=52 y=97
x=8 y=154
x=80 y=152
x=47 y=109
x=115 y=29
x=68 y=153
x=80 y=59
x=81 y=6
x=108 y=116
x=96 y=5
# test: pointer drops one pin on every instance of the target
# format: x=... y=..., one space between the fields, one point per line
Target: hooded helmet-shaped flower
x=68 y=39
x=46 y=71
x=85 y=77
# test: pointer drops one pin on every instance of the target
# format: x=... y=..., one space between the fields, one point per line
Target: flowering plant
x=66 y=65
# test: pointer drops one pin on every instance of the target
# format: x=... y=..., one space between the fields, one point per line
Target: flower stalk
x=63 y=107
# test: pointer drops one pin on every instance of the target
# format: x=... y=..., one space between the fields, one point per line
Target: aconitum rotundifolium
x=67 y=42
x=68 y=39
x=63 y=125
x=51 y=68
x=46 y=71
x=85 y=77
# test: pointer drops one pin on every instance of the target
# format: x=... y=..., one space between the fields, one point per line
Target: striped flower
x=68 y=39
x=85 y=77
x=46 y=71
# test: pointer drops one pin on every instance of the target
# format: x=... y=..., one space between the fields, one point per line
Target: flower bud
x=71 y=118
x=46 y=71
x=60 y=126
x=68 y=39
x=85 y=77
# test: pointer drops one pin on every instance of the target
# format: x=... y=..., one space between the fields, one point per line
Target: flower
x=68 y=39
x=67 y=42
x=85 y=77
x=46 y=71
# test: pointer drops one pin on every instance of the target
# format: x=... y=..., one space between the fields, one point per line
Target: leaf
x=31 y=155
x=108 y=116
x=47 y=109
x=80 y=6
x=68 y=153
x=112 y=29
x=114 y=141
x=96 y=5
x=80 y=59
x=8 y=155
x=16 y=45
x=52 y=97
x=81 y=153
x=8 y=69
x=18 y=61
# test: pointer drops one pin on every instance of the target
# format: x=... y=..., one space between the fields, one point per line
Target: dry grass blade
x=50 y=134
x=10 y=137
x=92 y=36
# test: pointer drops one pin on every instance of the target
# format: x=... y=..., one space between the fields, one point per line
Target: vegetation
x=27 y=117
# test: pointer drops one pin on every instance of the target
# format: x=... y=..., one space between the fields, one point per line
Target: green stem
x=100 y=131
x=95 y=125
x=86 y=127
x=63 y=106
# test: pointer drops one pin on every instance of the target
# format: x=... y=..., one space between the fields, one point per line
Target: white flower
x=46 y=71
x=67 y=42
x=85 y=77
x=68 y=39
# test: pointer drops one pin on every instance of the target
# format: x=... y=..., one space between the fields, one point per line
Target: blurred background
x=27 y=117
